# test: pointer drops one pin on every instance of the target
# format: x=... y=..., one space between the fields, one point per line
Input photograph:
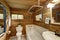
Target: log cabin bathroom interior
x=29 y=19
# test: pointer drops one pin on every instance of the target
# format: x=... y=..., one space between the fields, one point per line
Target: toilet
x=19 y=32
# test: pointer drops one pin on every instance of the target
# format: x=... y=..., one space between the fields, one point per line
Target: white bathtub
x=34 y=32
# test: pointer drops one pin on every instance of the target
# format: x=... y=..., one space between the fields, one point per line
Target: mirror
x=56 y=14
x=2 y=19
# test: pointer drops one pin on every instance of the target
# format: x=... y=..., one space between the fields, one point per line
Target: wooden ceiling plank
x=24 y=4
x=4 y=2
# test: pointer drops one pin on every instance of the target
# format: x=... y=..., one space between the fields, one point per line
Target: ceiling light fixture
x=33 y=8
x=50 y=5
x=55 y=0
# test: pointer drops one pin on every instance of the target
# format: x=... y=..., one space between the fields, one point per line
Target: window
x=14 y=16
x=1 y=16
x=39 y=17
x=20 y=16
x=17 y=17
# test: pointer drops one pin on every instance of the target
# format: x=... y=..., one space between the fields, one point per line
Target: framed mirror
x=56 y=14
x=2 y=19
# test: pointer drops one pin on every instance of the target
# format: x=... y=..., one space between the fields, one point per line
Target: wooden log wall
x=28 y=19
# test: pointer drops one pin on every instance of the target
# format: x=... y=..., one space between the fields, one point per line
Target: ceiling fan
x=35 y=8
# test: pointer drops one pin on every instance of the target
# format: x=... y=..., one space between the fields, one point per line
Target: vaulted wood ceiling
x=23 y=4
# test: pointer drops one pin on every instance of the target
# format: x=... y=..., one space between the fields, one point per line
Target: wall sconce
x=50 y=5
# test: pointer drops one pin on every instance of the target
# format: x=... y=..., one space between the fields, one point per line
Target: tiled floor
x=15 y=38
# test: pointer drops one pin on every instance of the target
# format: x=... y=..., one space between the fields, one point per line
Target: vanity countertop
x=56 y=24
x=50 y=36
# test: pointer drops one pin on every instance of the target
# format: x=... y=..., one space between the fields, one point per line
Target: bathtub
x=34 y=32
